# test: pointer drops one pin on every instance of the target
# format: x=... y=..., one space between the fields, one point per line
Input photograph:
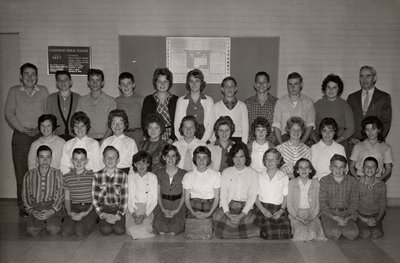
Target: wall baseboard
x=393 y=202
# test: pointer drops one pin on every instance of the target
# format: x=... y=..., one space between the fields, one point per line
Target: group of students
x=193 y=172
x=239 y=193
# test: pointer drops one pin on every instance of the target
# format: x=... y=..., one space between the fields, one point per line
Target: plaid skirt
x=199 y=228
x=270 y=228
x=223 y=227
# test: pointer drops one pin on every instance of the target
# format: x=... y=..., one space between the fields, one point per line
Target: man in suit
x=369 y=101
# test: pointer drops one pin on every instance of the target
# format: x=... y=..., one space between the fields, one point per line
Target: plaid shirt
x=110 y=190
x=257 y=110
x=334 y=196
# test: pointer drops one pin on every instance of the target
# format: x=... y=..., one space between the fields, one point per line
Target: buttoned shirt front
x=110 y=190
x=272 y=190
x=238 y=186
x=142 y=189
x=202 y=184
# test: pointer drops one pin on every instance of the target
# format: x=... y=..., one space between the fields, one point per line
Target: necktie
x=187 y=161
x=365 y=104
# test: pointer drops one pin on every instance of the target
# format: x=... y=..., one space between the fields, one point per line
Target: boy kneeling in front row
x=110 y=194
x=42 y=195
x=81 y=217
x=338 y=199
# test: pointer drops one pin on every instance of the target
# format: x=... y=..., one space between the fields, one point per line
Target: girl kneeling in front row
x=201 y=187
x=271 y=216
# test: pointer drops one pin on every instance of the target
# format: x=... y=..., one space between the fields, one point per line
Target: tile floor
x=17 y=246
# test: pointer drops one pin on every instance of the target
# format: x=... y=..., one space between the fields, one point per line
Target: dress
x=171 y=194
x=142 y=199
x=155 y=150
x=303 y=203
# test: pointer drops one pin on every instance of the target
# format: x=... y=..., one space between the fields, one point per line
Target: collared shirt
x=239 y=186
x=142 y=189
x=93 y=154
x=321 y=155
x=364 y=94
x=42 y=188
x=132 y=105
x=334 y=195
x=110 y=190
x=304 y=188
x=79 y=186
x=372 y=197
x=285 y=108
x=257 y=154
x=56 y=145
x=126 y=147
x=183 y=146
x=272 y=190
x=380 y=151
x=202 y=185
x=239 y=116
x=22 y=110
x=97 y=109
x=255 y=110
x=291 y=154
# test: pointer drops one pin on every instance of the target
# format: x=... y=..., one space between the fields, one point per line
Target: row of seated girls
x=228 y=191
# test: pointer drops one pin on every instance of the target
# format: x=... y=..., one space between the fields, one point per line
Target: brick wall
x=317 y=37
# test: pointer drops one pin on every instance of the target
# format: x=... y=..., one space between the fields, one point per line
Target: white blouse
x=142 y=190
x=126 y=147
x=202 y=185
x=272 y=190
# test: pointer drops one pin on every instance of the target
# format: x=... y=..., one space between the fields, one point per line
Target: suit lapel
x=377 y=95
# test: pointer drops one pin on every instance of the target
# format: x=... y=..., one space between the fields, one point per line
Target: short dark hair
x=48 y=117
x=126 y=75
x=234 y=150
x=154 y=118
x=167 y=148
x=296 y=167
x=375 y=121
x=334 y=78
x=43 y=148
x=28 y=65
x=80 y=116
x=192 y=119
x=196 y=73
x=79 y=151
x=227 y=79
x=328 y=122
x=110 y=148
x=224 y=120
x=95 y=72
x=201 y=150
x=163 y=72
x=262 y=73
x=295 y=75
x=338 y=157
x=118 y=113
x=141 y=156
x=63 y=72
x=371 y=159
x=260 y=122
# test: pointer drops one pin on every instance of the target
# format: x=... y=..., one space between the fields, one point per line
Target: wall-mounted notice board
x=141 y=55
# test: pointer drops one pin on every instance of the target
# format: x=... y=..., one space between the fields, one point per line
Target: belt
x=82 y=203
x=340 y=209
x=171 y=197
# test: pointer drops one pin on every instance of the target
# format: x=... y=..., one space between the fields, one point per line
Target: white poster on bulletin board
x=209 y=54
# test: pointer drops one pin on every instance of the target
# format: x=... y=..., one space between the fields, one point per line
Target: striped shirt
x=42 y=188
x=79 y=186
x=291 y=154
x=334 y=195
x=110 y=190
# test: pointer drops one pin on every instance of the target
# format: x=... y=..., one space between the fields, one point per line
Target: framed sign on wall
x=76 y=60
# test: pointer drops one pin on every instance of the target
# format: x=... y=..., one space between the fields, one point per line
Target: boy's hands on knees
x=340 y=220
x=110 y=218
x=36 y=214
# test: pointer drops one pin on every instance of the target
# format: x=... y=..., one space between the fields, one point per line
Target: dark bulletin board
x=141 y=55
x=75 y=60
